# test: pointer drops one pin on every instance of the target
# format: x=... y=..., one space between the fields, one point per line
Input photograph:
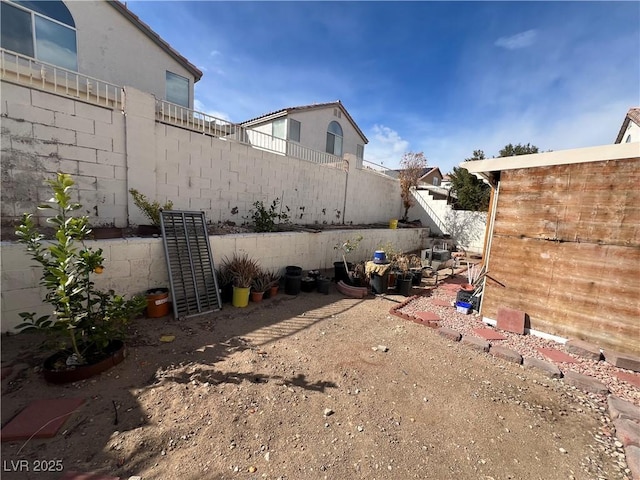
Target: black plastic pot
x=416 y=276
x=380 y=283
x=308 y=284
x=404 y=285
x=340 y=273
x=323 y=285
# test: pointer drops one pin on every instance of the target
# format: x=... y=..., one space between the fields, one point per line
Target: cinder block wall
x=136 y=264
x=44 y=133
x=109 y=151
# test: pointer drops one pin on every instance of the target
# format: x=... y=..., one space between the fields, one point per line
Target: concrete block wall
x=43 y=133
x=134 y=265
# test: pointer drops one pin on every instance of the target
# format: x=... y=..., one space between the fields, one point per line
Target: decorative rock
x=583 y=349
x=450 y=334
x=627 y=432
x=633 y=460
x=547 y=368
x=621 y=409
x=328 y=412
x=475 y=343
x=623 y=360
x=585 y=382
x=511 y=320
x=506 y=354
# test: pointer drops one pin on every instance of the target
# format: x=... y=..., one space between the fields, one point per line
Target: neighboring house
x=630 y=129
x=432 y=177
x=324 y=127
x=100 y=39
x=446 y=182
x=564 y=243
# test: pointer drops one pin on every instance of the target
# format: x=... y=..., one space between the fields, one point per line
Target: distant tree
x=471 y=192
x=412 y=166
x=512 y=151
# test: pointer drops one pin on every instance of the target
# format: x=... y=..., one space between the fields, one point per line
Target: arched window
x=42 y=30
x=334 y=139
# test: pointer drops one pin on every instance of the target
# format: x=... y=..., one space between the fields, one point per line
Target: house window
x=42 y=30
x=278 y=128
x=628 y=140
x=436 y=181
x=177 y=89
x=334 y=139
x=360 y=151
x=294 y=130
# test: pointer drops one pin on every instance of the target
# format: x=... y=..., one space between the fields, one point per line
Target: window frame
x=293 y=121
x=34 y=37
x=166 y=89
x=332 y=136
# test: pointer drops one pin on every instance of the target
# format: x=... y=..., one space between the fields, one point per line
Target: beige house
x=95 y=38
x=323 y=127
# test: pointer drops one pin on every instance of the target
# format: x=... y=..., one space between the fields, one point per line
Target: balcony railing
x=28 y=71
x=173 y=114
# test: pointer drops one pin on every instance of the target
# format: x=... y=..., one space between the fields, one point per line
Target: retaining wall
x=134 y=265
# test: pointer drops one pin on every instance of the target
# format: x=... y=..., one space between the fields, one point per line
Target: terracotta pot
x=114 y=354
x=256 y=296
x=273 y=291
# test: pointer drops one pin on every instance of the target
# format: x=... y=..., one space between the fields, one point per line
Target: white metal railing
x=177 y=115
x=381 y=169
x=28 y=71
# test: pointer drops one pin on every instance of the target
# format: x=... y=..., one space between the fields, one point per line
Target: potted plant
x=90 y=323
x=151 y=210
x=342 y=269
x=260 y=284
x=404 y=278
x=243 y=270
x=274 y=283
x=415 y=267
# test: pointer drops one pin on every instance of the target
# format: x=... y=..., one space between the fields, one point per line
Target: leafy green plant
x=242 y=268
x=151 y=210
x=89 y=318
x=261 y=282
x=263 y=219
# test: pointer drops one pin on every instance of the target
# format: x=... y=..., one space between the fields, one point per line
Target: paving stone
x=475 y=343
x=441 y=303
x=583 y=349
x=556 y=355
x=427 y=317
x=632 y=378
x=547 y=368
x=627 y=432
x=633 y=461
x=450 y=334
x=506 y=354
x=585 y=382
x=622 y=409
x=511 y=320
x=40 y=419
x=488 y=334
x=623 y=360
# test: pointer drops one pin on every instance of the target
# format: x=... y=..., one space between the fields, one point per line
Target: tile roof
x=633 y=115
x=148 y=31
x=286 y=111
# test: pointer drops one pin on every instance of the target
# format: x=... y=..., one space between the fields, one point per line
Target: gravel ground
x=525 y=345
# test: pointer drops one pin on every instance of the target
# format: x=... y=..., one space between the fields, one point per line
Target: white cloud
x=385 y=147
x=199 y=106
x=519 y=40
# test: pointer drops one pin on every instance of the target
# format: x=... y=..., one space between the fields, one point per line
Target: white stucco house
x=100 y=39
x=321 y=127
x=630 y=129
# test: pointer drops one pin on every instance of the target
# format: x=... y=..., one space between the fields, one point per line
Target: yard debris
x=167 y=338
x=328 y=412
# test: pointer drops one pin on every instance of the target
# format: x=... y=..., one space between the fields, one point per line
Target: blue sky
x=443 y=78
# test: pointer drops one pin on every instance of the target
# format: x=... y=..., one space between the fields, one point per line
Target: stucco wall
x=105 y=39
x=137 y=264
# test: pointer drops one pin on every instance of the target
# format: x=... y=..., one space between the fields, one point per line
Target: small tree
x=471 y=192
x=514 y=150
x=412 y=167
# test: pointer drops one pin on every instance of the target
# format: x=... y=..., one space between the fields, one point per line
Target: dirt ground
x=292 y=388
